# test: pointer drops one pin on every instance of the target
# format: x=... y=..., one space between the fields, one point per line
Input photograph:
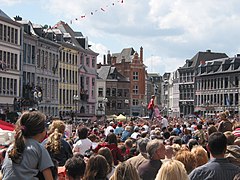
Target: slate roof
x=127 y=54
x=203 y=56
x=105 y=72
x=2 y=14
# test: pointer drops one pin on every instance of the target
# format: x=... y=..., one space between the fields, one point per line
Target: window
x=16 y=36
x=100 y=92
x=135 y=102
x=8 y=34
x=135 y=76
x=93 y=62
x=93 y=82
x=119 y=92
x=28 y=53
x=4 y=32
x=24 y=52
x=33 y=54
x=113 y=91
x=1 y=31
x=108 y=92
x=87 y=61
x=12 y=35
x=135 y=89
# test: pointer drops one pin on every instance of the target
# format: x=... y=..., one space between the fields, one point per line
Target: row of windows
x=8 y=34
x=8 y=86
x=114 y=92
x=10 y=60
x=68 y=57
x=218 y=83
x=28 y=53
x=68 y=76
x=219 y=99
x=47 y=60
x=113 y=105
x=66 y=96
x=49 y=86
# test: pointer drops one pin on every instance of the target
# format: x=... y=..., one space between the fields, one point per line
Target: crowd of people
x=161 y=149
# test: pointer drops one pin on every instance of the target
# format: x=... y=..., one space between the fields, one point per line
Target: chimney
x=109 y=58
x=141 y=54
x=104 y=59
x=208 y=50
x=114 y=59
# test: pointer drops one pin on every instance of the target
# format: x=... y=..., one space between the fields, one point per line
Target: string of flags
x=91 y=13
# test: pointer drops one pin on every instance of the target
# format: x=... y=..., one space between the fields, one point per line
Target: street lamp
x=105 y=100
x=37 y=95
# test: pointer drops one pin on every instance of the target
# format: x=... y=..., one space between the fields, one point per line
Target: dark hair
x=75 y=167
x=82 y=133
x=191 y=143
x=105 y=151
x=28 y=125
x=111 y=138
x=217 y=143
x=97 y=168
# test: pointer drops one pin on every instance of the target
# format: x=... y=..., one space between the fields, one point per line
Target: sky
x=169 y=31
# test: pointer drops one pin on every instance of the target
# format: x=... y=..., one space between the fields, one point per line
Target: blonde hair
x=57 y=124
x=200 y=154
x=54 y=142
x=125 y=171
x=172 y=170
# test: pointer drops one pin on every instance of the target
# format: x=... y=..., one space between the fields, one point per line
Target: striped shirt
x=215 y=169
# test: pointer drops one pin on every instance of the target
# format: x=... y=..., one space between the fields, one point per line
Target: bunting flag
x=94 y=12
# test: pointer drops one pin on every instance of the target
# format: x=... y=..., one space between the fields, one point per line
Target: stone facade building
x=10 y=66
x=217 y=86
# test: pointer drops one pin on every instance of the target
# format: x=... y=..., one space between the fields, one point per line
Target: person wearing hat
x=151 y=107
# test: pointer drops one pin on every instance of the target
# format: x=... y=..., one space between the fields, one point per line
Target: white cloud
x=170 y=31
x=99 y=48
x=10 y=2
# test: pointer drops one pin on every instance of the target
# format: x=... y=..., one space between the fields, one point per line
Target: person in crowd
x=75 y=168
x=97 y=168
x=26 y=157
x=186 y=136
x=136 y=161
x=58 y=148
x=126 y=133
x=211 y=129
x=169 y=152
x=128 y=145
x=151 y=107
x=156 y=152
x=125 y=171
x=225 y=124
x=164 y=122
x=135 y=135
x=233 y=151
x=105 y=151
x=83 y=144
x=109 y=129
x=236 y=129
x=200 y=155
x=172 y=170
x=112 y=144
x=218 y=168
x=192 y=143
x=199 y=134
x=187 y=158
x=119 y=129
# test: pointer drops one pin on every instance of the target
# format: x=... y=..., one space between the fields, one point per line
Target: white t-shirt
x=164 y=122
x=108 y=129
x=82 y=145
